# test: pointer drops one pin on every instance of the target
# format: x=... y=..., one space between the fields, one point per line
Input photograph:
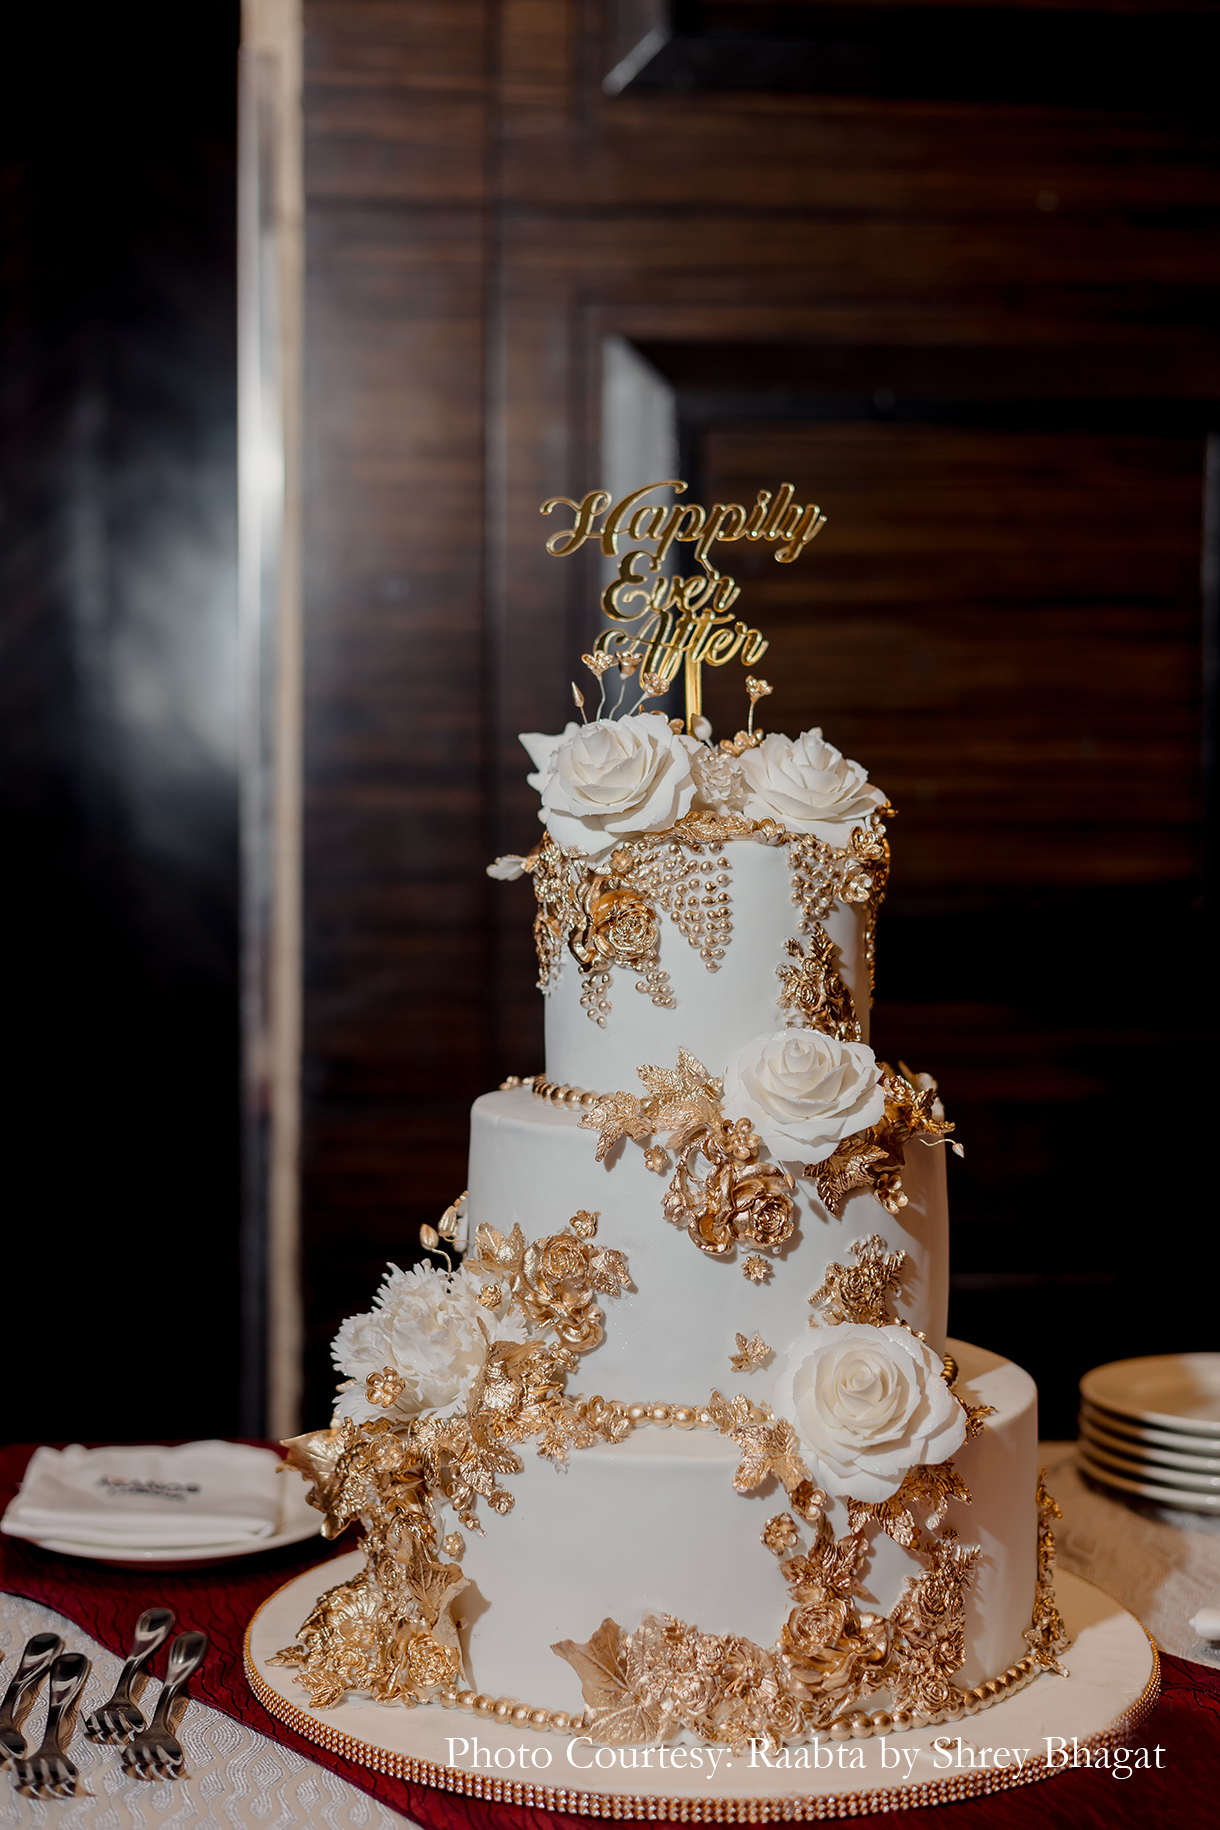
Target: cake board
x=1112 y=1683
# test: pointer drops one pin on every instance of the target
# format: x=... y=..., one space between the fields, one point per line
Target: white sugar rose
x=424 y=1326
x=803 y=1091
x=808 y=786
x=868 y=1404
x=606 y=781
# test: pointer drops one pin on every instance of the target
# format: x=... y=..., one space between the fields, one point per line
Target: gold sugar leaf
x=616 y=1115
x=749 y=1353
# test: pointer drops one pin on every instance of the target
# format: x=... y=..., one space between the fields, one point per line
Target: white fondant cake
x=688 y=1396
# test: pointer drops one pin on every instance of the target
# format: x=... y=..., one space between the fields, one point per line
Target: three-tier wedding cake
x=668 y=1439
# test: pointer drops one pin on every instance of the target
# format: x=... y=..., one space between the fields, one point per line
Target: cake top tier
x=663 y=846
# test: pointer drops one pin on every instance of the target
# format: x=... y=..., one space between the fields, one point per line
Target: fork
x=119 y=1718
x=39 y=1654
x=155 y=1753
x=49 y=1772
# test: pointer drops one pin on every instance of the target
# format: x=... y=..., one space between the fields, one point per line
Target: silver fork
x=49 y=1772
x=156 y=1753
x=119 y=1717
x=40 y=1652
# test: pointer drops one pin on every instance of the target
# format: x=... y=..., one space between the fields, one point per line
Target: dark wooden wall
x=985 y=336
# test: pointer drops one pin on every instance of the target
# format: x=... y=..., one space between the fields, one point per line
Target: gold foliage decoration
x=749 y=1353
x=389 y=1631
x=831 y=1655
x=931 y=1487
x=855 y=873
x=768 y=1444
x=873 y=1159
x=737 y=1197
x=812 y=990
x=553 y=1281
x=1046 y=1636
x=857 y=1293
x=608 y=915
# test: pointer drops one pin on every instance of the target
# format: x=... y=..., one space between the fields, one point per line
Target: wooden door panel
x=1004 y=627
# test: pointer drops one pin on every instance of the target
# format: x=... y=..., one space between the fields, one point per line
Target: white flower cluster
x=424 y=1325
x=868 y=1404
x=609 y=780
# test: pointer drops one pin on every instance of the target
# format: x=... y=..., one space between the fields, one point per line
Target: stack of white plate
x=1152 y=1427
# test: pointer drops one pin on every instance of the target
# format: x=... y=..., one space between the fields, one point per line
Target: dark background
x=966 y=298
x=117 y=719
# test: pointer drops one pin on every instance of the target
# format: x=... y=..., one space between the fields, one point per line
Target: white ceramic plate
x=1164 y=1496
x=1177 y=1391
x=1198 y=1447
x=1149 y=1452
x=297 y=1522
x=1148 y=1471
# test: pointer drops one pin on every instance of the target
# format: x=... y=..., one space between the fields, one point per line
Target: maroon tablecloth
x=105 y=1603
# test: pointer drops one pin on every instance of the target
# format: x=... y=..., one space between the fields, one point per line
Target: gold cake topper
x=680 y=622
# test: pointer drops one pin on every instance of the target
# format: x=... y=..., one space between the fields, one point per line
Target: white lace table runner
x=1163 y=1565
x=235 y=1776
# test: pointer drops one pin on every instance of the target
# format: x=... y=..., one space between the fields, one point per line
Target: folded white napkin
x=148 y=1498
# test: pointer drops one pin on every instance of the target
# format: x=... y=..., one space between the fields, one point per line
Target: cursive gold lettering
x=646 y=522
x=800 y=527
x=779 y=508
x=626 y=588
x=726 y=522
x=674 y=528
x=758 y=516
x=614 y=519
x=568 y=539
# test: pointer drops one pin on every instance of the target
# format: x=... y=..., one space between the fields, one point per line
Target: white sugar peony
x=868 y=1404
x=808 y=786
x=803 y=1091
x=424 y=1326
x=609 y=780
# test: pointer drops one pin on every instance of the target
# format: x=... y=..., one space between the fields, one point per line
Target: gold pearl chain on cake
x=555 y=1093
x=857 y=1726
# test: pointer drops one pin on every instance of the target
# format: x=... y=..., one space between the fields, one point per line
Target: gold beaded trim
x=658 y=1808
x=555 y=1094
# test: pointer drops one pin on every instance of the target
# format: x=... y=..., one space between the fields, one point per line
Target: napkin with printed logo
x=148 y=1498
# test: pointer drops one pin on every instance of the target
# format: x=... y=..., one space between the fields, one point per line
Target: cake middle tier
x=668 y=1339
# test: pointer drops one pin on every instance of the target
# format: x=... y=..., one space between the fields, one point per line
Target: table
x=251 y=1771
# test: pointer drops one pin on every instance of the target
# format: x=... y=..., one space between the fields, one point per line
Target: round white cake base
x=1113 y=1682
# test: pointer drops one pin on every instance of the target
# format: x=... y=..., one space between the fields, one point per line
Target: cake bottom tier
x=654 y=1525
